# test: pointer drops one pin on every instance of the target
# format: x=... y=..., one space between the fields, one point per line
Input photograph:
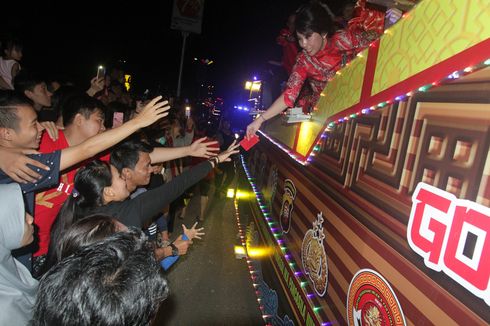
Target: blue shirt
x=48 y=179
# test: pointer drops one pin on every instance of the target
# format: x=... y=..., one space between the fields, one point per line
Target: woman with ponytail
x=100 y=189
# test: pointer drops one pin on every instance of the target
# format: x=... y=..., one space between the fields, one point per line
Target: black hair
x=84 y=232
x=61 y=96
x=126 y=154
x=83 y=104
x=314 y=17
x=26 y=80
x=10 y=44
x=9 y=104
x=87 y=194
x=115 y=281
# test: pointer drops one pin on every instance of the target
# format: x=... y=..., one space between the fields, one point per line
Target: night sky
x=69 y=39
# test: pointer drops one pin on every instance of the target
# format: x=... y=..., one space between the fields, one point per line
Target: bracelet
x=214 y=161
x=261 y=116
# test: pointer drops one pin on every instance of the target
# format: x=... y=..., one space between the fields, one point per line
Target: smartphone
x=100 y=72
x=117 y=119
x=188 y=112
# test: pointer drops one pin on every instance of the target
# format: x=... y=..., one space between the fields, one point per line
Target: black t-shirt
x=136 y=211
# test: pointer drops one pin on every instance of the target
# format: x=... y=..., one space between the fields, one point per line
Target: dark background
x=70 y=39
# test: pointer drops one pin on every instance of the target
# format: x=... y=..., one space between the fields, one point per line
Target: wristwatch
x=175 y=250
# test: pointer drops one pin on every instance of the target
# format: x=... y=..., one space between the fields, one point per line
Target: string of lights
x=424 y=88
x=281 y=242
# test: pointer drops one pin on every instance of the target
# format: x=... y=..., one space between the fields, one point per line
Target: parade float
x=376 y=210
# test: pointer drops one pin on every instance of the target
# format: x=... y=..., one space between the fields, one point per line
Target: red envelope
x=249 y=143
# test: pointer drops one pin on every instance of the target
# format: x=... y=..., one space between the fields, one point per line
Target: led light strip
x=453 y=76
x=275 y=231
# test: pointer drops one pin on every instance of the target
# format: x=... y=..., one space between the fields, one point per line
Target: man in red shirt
x=83 y=118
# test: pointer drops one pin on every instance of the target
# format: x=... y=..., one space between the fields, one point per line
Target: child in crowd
x=9 y=62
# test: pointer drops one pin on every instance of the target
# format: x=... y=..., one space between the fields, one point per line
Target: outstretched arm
x=199 y=148
x=277 y=107
x=153 y=111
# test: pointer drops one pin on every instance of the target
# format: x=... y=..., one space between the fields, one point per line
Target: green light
x=353 y=115
x=291 y=264
x=487 y=62
x=424 y=88
x=316 y=309
x=303 y=284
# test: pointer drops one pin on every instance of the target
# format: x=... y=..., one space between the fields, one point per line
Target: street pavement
x=209 y=286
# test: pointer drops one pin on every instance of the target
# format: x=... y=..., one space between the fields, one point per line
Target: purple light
x=288 y=256
x=255 y=77
x=310 y=295
x=297 y=273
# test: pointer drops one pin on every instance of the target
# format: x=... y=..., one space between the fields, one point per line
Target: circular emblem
x=286 y=212
x=314 y=257
x=372 y=302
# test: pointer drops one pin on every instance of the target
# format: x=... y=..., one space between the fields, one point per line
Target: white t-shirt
x=6 y=70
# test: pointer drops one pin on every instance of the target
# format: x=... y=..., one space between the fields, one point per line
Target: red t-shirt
x=289 y=49
x=49 y=202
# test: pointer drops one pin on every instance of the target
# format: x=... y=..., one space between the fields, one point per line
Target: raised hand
x=152 y=112
x=96 y=85
x=193 y=233
x=225 y=156
x=199 y=148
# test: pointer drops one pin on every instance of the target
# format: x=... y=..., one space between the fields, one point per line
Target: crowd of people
x=91 y=183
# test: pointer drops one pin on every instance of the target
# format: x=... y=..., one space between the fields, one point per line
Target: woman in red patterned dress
x=322 y=54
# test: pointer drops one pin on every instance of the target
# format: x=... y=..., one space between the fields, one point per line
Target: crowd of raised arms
x=98 y=194
x=92 y=181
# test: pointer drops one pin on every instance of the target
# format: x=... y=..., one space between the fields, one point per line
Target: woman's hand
x=225 y=156
x=193 y=233
x=151 y=112
x=199 y=148
x=253 y=127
